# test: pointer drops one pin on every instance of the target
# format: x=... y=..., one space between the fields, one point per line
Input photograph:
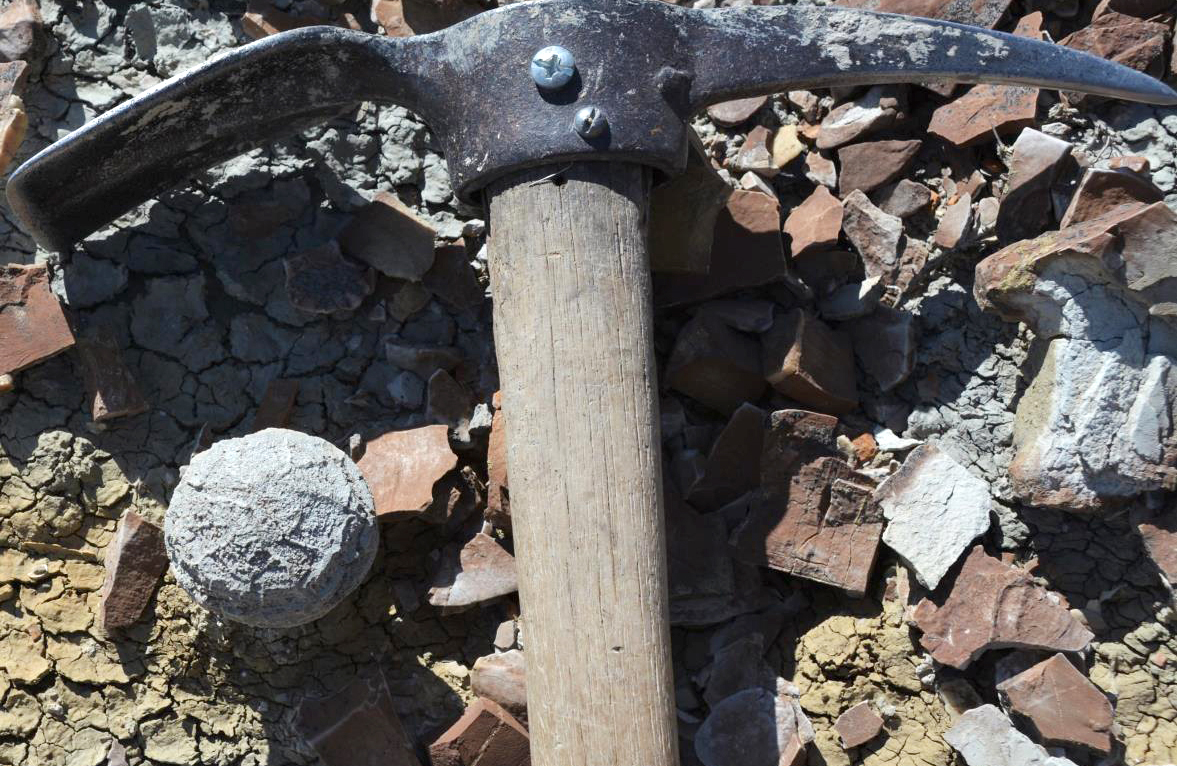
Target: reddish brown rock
x=1062 y=704
x=1132 y=162
x=322 y=281
x=498 y=496
x=815 y=224
x=1158 y=531
x=865 y=447
x=424 y=16
x=1100 y=191
x=391 y=238
x=356 y=727
x=261 y=19
x=871 y=112
x=481 y=570
x=747 y=251
x=452 y=279
x=983 y=13
x=996 y=606
x=402 y=468
x=135 y=562
x=732 y=467
x=1125 y=40
x=875 y=235
x=729 y=114
x=683 y=214
x=276 y=405
x=390 y=14
x=485 y=735
x=806 y=360
x=869 y=165
x=501 y=678
x=32 y=324
x=903 y=199
x=110 y=386
x=715 y=365
x=1034 y=166
x=953 y=228
x=814 y=516
x=858 y=725
x=755 y=154
x=22 y=34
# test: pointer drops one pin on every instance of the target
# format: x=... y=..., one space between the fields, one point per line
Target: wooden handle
x=573 y=331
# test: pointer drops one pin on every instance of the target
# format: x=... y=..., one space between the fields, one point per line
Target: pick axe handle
x=573 y=332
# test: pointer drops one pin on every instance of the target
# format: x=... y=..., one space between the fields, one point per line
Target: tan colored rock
x=858 y=725
x=322 y=281
x=135 y=562
x=815 y=224
x=356 y=727
x=32 y=324
x=730 y=114
x=277 y=402
x=715 y=365
x=485 y=735
x=502 y=678
x=996 y=606
x=872 y=164
x=112 y=390
x=13 y=125
x=806 y=360
x=481 y=570
x=786 y=146
x=391 y=238
x=390 y=14
x=1062 y=704
x=1101 y=191
x=403 y=468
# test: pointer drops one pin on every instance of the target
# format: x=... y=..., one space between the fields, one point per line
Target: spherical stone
x=272 y=529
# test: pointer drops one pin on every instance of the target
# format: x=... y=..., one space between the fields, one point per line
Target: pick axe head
x=639 y=69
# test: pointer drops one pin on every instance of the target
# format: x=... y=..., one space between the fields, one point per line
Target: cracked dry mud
x=193 y=287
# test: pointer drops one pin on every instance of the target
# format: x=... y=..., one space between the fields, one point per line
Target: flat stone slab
x=32 y=324
x=1062 y=704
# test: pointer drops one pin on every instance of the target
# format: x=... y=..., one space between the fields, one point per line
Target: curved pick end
x=258 y=92
x=749 y=51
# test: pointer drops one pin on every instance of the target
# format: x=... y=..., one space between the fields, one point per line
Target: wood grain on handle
x=573 y=332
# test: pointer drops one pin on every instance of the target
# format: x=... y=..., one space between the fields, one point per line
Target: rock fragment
x=753 y=727
x=481 y=570
x=858 y=725
x=823 y=272
x=301 y=535
x=135 y=562
x=261 y=19
x=425 y=16
x=884 y=343
x=755 y=154
x=934 y=508
x=872 y=111
x=1062 y=704
x=356 y=727
x=276 y=404
x=852 y=301
x=13 y=77
x=1034 y=166
x=996 y=606
x=498 y=496
x=875 y=235
x=984 y=736
x=806 y=360
x=815 y=224
x=683 y=215
x=112 y=390
x=403 y=469
x=1101 y=191
x=820 y=170
x=22 y=35
x=902 y=199
x=730 y=114
x=953 y=229
x=983 y=13
x=32 y=324
x=732 y=467
x=391 y=238
x=872 y=164
x=14 y=124
x=502 y=678
x=1124 y=39
x=485 y=735
x=322 y=281
x=715 y=365
x=390 y=14
x=786 y=146
x=1158 y=531
x=451 y=278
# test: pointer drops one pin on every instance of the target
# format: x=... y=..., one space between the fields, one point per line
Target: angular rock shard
x=683 y=214
x=874 y=110
x=715 y=365
x=984 y=736
x=277 y=402
x=884 y=343
x=1033 y=168
x=356 y=727
x=858 y=725
x=403 y=467
x=1158 y=531
x=753 y=727
x=869 y=165
x=498 y=497
x=135 y=562
x=485 y=735
x=733 y=464
x=390 y=238
x=807 y=361
x=815 y=224
x=875 y=235
x=934 y=509
x=501 y=678
x=995 y=606
x=1101 y=191
x=32 y=324
x=1062 y=704
x=481 y=570
x=112 y=390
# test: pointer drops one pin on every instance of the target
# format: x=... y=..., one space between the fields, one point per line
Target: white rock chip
x=273 y=529
x=934 y=509
x=984 y=736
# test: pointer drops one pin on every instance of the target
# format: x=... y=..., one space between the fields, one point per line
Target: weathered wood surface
x=573 y=331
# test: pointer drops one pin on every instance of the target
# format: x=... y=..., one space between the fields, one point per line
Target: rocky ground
x=918 y=419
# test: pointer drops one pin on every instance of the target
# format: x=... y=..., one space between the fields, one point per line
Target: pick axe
x=557 y=114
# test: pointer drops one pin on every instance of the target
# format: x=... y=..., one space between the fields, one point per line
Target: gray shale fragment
x=273 y=529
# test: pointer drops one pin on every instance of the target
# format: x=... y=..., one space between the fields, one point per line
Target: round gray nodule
x=273 y=529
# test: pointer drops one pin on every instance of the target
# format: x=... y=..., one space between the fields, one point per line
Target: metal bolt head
x=590 y=122
x=552 y=67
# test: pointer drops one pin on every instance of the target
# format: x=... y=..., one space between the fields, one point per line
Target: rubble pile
x=914 y=345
